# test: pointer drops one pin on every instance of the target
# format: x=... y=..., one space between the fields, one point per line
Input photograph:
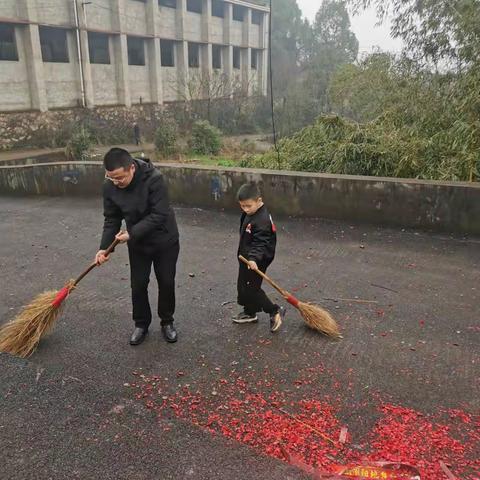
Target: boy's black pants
x=164 y=264
x=250 y=294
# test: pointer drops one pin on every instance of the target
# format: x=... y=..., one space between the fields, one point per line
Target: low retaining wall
x=441 y=206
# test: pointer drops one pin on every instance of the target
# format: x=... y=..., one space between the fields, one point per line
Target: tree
x=289 y=34
x=436 y=30
x=333 y=44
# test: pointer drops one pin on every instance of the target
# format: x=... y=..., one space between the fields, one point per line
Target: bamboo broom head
x=319 y=319
x=21 y=336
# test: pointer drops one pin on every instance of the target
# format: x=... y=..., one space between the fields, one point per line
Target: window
x=218 y=8
x=168 y=3
x=257 y=17
x=217 y=56
x=53 y=42
x=136 y=51
x=238 y=13
x=254 y=59
x=98 y=48
x=8 y=46
x=167 y=53
x=236 y=58
x=193 y=55
x=194 y=6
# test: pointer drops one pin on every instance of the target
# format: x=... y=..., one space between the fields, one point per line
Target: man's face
x=121 y=177
x=251 y=206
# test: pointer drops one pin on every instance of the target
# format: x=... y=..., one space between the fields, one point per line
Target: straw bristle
x=319 y=319
x=21 y=336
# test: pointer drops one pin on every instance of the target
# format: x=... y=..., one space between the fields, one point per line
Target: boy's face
x=250 y=206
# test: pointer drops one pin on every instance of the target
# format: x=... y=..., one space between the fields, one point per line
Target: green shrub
x=206 y=139
x=79 y=145
x=166 y=137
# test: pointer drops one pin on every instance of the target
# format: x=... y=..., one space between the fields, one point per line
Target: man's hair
x=117 y=158
x=248 y=191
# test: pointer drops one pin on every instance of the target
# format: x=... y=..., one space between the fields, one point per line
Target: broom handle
x=108 y=251
x=277 y=287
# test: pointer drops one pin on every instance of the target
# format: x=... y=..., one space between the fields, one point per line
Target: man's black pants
x=164 y=264
x=250 y=294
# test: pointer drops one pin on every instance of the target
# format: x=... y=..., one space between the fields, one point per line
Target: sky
x=363 y=26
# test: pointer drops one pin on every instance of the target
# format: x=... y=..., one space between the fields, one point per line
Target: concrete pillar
x=180 y=18
x=35 y=67
x=155 y=70
x=263 y=63
x=207 y=69
x=245 y=66
x=87 y=68
x=227 y=64
x=227 y=59
x=121 y=66
x=118 y=15
x=153 y=46
x=206 y=20
x=262 y=72
x=182 y=70
x=227 y=23
x=33 y=52
x=247 y=21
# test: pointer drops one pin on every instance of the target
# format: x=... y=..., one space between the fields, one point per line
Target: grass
x=209 y=160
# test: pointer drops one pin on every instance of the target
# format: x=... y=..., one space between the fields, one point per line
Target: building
x=56 y=54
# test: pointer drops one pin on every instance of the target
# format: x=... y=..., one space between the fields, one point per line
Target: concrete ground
x=407 y=302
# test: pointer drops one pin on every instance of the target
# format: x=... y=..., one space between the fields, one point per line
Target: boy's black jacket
x=145 y=207
x=258 y=237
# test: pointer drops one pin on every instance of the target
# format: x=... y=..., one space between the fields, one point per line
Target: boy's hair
x=117 y=158
x=248 y=191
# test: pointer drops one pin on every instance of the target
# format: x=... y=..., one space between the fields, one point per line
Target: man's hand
x=122 y=236
x=100 y=257
x=252 y=265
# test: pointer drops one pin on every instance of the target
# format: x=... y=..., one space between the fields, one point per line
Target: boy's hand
x=252 y=265
x=122 y=236
x=100 y=257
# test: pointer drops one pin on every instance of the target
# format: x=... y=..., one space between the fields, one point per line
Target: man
x=135 y=191
x=136 y=133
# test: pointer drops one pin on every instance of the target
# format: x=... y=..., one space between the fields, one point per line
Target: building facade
x=57 y=54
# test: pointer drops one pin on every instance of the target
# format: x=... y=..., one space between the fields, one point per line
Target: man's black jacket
x=145 y=207
x=258 y=237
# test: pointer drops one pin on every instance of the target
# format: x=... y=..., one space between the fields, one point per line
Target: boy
x=258 y=240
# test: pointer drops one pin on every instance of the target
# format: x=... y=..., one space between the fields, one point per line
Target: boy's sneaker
x=277 y=319
x=243 y=317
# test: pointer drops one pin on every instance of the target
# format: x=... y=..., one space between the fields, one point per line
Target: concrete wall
x=441 y=206
x=14 y=83
x=236 y=33
x=216 y=30
x=99 y=15
x=105 y=83
x=140 y=82
x=169 y=76
x=193 y=27
x=165 y=22
x=10 y=10
x=56 y=12
x=134 y=18
x=62 y=80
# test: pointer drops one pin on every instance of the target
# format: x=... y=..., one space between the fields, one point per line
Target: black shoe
x=138 y=336
x=169 y=333
x=243 y=317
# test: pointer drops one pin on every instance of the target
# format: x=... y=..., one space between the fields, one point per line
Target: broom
x=315 y=317
x=21 y=335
